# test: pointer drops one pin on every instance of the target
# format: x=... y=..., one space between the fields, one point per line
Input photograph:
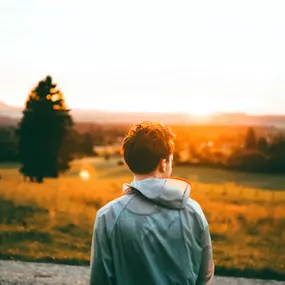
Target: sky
x=197 y=57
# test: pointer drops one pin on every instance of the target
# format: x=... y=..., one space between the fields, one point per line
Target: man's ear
x=162 y=165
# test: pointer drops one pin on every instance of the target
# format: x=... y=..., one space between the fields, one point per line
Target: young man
x=154 y=234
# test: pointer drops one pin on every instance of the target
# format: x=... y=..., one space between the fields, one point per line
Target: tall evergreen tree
x=43 y=132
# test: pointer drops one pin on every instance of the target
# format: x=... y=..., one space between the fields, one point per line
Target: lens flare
x=84 y=174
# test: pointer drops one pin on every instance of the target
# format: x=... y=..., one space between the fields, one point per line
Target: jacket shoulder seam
x=198 y=216
x=131 y=198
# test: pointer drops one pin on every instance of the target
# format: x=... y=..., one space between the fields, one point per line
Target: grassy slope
x=53 y=221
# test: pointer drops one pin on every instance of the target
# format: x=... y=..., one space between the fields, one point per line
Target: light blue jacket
x=153 y=235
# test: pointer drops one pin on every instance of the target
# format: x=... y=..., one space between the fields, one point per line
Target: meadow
x=53 y=221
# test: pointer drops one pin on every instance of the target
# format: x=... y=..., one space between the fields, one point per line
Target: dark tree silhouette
x=44 y=132
x=88 y=144
x=8 y=145
x=250 y=139
x=262 y=145
x=277 y=151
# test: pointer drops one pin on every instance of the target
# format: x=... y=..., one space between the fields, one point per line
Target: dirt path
x=27 y=273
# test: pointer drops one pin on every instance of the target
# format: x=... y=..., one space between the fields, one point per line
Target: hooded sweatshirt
x=153 y=235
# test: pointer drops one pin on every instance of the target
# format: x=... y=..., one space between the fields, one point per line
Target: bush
x=251 y=161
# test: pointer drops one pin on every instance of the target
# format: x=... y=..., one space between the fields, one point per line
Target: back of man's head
x=145 y=145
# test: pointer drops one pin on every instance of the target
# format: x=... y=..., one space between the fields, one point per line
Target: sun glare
x=201 y=112
x=203 y=107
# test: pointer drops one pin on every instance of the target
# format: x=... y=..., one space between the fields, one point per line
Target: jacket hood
x=168 y=192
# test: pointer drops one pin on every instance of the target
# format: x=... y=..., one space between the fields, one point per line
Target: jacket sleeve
x=101 y=263
x=206 y=273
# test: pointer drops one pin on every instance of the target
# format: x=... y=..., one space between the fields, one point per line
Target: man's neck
x=138 y=177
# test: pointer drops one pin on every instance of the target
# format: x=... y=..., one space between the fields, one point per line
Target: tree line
x=82 y=144
x=261 y=154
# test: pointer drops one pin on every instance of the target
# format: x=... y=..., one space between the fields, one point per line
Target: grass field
x=54 y=221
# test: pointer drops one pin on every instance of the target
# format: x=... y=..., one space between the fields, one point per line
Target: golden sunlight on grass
x=54 y=220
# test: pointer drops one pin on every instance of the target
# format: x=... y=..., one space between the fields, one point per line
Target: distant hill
x=10 y=111
x=10 y=115
x=251 y=120
x=99 y=116
x=7 y=121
